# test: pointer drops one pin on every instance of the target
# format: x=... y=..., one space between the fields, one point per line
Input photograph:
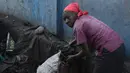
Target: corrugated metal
x=115 y=13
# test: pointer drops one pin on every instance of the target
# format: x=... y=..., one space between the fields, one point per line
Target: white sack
x=50 y=65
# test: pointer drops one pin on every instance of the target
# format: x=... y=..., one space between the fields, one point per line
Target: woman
x=92 y=33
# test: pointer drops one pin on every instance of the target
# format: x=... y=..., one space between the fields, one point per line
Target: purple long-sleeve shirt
x=96 y=34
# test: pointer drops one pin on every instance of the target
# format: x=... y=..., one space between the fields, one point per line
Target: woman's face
x=69 y=18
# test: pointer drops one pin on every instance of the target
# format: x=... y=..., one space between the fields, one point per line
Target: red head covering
x=75 y=8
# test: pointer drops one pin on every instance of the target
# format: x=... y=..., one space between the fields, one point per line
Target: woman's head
x=69 y=18
x=71 y=13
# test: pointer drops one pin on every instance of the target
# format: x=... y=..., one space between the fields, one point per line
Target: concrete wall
x=115 y=13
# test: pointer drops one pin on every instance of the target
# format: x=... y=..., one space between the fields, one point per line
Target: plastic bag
x=50 y=65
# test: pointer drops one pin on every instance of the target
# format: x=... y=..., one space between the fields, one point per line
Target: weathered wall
x=115 y=13
x=43 y=12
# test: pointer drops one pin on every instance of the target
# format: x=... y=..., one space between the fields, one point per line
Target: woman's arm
x=84 y=52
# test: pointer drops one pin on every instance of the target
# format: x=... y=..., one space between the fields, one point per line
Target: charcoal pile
x=36 y=45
